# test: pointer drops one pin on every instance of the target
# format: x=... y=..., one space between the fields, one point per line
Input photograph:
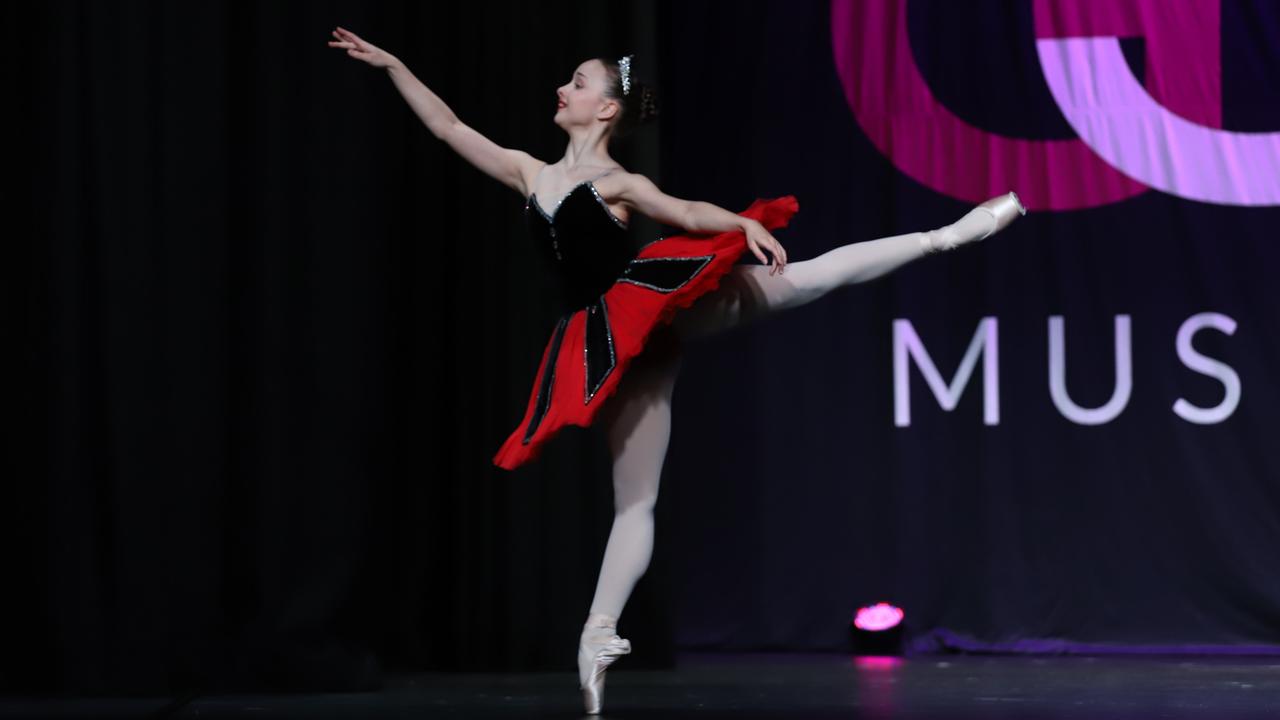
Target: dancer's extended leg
x=749 y=291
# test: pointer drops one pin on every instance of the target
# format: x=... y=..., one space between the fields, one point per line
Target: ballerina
x=614 y=354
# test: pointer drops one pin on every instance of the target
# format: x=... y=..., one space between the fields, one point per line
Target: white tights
x=638 y=417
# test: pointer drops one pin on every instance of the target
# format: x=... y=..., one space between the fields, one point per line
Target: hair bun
x=639 y=100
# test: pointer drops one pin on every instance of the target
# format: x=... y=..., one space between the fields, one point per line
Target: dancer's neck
x=587 y=147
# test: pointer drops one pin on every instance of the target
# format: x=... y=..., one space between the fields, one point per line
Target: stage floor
x=791 y=686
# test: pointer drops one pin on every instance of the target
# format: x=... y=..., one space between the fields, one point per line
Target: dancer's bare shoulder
x=642 y=195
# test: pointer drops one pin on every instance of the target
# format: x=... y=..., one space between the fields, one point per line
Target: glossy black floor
x=759 y=686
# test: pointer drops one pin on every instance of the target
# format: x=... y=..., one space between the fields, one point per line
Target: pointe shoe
x=1002 y=209
x=594 y=658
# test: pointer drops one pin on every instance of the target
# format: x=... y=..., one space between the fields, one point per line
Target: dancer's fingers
x=355 y=39
x=777 y=248
x=348 y=36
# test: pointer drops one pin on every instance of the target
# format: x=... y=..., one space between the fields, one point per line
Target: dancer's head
x=595 y=96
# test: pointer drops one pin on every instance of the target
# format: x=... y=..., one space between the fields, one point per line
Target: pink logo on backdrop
x=1165 y=135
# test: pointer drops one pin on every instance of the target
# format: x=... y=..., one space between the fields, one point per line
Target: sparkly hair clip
x=624 y=70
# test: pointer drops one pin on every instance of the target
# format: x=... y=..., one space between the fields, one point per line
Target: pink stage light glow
x=876 y=662
x=878 y=617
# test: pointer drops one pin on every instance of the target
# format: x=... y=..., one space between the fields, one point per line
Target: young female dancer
x=620 y=300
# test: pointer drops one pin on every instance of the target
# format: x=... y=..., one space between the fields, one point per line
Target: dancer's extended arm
x=639 y=193
x=513 y=168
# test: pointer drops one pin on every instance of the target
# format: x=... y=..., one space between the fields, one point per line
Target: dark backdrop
x=269 y=333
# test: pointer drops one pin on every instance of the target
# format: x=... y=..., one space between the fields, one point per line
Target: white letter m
x=906 y=343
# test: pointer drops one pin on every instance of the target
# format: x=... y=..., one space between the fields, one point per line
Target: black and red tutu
x=591 y=346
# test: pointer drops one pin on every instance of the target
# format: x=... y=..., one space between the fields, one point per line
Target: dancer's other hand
x=361 y=49
x=757 y=238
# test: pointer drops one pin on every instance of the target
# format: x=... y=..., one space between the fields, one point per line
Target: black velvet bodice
x=583 y=240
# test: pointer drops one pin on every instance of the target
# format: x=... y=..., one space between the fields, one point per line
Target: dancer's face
x=581 y=101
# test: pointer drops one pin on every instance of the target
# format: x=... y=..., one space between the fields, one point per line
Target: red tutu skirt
x=670 y=273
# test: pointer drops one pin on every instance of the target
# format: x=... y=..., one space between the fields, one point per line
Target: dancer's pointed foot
x=1004 y=209
x=980 y=223
x=597 y=650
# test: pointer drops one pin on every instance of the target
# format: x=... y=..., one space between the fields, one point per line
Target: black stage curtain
x=270 y=332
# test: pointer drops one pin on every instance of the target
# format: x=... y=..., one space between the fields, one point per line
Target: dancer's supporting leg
x=749 y=291
x=637 y=421
x=638 y=424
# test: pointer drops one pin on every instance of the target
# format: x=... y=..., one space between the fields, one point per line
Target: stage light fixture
x=877 y=630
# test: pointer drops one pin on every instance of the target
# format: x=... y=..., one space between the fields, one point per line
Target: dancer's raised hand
x=361 y=49
x=758 y=237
